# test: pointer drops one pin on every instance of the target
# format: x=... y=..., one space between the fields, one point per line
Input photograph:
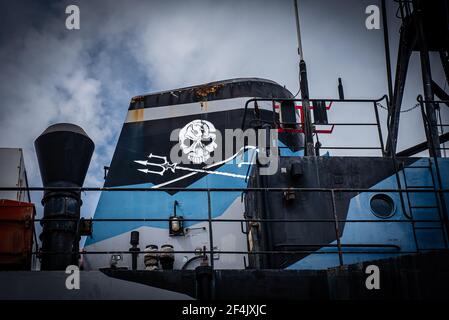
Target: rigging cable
x=403 y=111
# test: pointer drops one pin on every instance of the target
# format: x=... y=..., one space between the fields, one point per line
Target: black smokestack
x=63 y=151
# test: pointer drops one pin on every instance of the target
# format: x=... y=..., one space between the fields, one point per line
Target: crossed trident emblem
x=163 y=165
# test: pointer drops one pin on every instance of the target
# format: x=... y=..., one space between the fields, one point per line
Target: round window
x=382 y=205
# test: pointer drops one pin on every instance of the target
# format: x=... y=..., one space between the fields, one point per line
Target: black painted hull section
x=317 y=172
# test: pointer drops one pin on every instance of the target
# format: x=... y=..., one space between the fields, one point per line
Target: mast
x=387 y=54
x=308 y=133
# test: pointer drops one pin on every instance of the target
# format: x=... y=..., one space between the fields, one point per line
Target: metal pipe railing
x=245 y=252
x=441 y=202
x=438 y=190
x=233 y=189
x=210 y=220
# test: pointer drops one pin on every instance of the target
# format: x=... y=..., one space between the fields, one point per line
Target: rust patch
x=137 y=99
x=135 y=115
x=204 y=91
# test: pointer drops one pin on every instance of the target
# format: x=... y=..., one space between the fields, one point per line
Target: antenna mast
x=308 y=133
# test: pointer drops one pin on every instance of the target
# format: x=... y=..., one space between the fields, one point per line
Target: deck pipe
x=64 y=152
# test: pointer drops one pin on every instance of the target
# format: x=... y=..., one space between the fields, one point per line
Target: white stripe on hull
x=180 y=110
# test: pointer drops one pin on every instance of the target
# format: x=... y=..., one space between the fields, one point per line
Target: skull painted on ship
x=197 y=140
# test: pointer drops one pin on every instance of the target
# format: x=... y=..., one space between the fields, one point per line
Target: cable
x=299 y=90
x=403 y=111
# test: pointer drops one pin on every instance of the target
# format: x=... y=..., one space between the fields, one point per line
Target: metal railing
x=427 y=123
x=341 y=247
x=210 y=220
x=277 y=124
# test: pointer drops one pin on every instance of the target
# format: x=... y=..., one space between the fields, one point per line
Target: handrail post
x=211 y=237
x=337 y=230
x=379 y=128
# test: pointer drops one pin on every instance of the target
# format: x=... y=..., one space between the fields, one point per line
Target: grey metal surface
x=13 y=174
x=416 y=276
x=44 y=285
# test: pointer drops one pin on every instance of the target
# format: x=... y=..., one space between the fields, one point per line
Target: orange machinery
x=16 y=234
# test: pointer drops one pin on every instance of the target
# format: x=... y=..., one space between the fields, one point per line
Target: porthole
x=382 y=205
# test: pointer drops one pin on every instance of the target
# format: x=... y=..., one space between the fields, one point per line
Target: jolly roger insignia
x=142 y=155
x=197 y=140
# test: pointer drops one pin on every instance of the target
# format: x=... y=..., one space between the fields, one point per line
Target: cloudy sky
x=125 y=48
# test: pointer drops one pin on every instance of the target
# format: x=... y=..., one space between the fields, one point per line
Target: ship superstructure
x=225 y=189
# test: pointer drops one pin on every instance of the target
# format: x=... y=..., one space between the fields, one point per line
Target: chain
x=403 y=111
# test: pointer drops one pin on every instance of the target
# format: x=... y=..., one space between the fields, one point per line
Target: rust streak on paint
x=135 y=115
x=204 y=91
